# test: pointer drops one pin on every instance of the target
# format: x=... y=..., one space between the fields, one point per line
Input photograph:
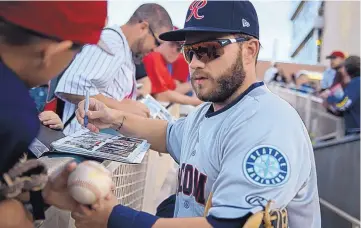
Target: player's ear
x=250 y=51
x=54 y=48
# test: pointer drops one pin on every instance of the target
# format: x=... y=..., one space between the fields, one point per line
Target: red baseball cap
x=81 y=22
x=336 y=54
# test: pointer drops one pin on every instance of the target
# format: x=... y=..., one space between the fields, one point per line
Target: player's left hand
x=97 y=216
x=56 y=191
x=51 y=119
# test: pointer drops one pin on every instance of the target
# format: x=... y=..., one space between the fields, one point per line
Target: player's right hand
x=99 y=115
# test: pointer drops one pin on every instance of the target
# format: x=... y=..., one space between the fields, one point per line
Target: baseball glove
x=276 y=218
x=26 y=175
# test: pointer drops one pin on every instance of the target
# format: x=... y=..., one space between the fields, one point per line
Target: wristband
x=117 y=128
x=127 y=217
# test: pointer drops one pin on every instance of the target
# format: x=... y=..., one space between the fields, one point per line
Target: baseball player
x=238 y=152
x=37 y=41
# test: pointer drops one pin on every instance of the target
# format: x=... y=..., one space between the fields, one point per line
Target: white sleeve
x=92 y=69
x=174 y=138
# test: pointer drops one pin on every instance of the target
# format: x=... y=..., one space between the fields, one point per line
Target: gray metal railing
x=337 y=161
x=338 y=177
x=355 y=223
x=320 y=124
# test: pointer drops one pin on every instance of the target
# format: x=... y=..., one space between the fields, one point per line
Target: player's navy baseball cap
x=219 y=17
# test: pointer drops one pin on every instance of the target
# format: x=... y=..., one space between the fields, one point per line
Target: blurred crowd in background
x=338 y=86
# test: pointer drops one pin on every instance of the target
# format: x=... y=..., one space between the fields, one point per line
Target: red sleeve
x=158 y=73
x=51 y=106
x=180 y=69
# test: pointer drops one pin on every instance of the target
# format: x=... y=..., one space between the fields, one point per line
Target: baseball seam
x=87 y=185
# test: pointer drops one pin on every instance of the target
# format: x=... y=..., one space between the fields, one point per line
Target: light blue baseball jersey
x=253 y=150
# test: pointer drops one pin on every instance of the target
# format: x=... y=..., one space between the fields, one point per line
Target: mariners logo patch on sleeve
x=266 y=166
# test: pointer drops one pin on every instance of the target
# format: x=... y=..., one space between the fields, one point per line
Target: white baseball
x=89 y=182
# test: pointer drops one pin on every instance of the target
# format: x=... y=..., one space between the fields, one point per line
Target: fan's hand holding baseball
x=99 y=115
x=97 y=216
x=56 y=191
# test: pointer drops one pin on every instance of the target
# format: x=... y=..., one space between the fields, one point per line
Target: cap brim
x=180 y=35
x=104 y=47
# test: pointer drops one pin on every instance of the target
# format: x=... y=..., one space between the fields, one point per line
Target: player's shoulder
x=198 y=112
x=261 y=108
x=271 y=106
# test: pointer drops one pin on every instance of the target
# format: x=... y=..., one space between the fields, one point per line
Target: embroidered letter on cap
x=194 y=7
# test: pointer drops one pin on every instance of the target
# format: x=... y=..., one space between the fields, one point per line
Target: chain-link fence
x=129 y=180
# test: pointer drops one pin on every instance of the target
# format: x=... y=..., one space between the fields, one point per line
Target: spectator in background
x=145 y=86
x=180 y=69
x=270 y=73
x=111 y=79
x=336 y=60
x=47 y=117
x=275 y=73
x=303 y=83
x=39 y=96
x=346 y=102
x=280 y=76
x=169 y=84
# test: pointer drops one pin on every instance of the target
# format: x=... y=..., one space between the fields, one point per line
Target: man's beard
x=225 y=85
x=137 y=54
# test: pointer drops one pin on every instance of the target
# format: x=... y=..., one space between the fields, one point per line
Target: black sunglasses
x=157 y=43
x=208 y=50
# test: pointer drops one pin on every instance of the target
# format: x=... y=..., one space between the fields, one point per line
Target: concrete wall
x=341 y=29
x=288 y=68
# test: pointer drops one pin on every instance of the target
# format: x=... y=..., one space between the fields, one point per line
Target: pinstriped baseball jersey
x=253 y=150
x=100 y=73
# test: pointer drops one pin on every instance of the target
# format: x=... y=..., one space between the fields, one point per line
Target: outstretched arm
x=100 y=116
